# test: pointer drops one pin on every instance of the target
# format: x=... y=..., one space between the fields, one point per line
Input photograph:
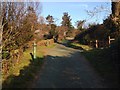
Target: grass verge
x=26 y=70
x=80 y=46
x=104 y=63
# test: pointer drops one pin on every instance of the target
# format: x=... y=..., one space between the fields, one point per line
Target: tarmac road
x=65 y=67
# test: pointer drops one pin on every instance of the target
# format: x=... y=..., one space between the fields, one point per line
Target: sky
x=76 y=10
x=59 y=0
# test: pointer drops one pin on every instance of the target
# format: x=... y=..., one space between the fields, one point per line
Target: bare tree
x=97 y=10
x=79 y=24
x=41 y=20
x=12 y=19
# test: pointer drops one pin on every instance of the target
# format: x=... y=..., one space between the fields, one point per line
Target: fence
x=99 y=44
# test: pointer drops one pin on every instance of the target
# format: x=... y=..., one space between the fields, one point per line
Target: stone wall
x=45 y=42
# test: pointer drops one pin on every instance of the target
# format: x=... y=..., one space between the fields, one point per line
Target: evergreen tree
x=66 y=20
x=50 y=19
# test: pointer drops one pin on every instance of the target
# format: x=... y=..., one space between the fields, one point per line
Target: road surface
x=65 y=67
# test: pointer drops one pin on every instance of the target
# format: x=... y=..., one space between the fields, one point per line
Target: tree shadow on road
x=27 y=74
x=68 y=72
x=102 y=63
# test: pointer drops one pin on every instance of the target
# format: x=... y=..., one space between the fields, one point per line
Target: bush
x=5 y=54
x=115 y=50
x=116 y=44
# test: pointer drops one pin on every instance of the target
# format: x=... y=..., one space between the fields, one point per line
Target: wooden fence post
x=96 y=43
x=109 y=40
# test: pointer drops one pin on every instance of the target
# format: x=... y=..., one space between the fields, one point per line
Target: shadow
x=27 y=74
x=106 y=63
x=32 y=56
x=68 y=72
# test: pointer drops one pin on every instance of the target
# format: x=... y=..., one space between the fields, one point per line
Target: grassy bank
x=103 y=61
x=80 y=46
x=104 y=64
x=25 y=71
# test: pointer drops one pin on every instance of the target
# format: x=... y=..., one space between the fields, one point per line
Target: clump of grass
x=85 y=47
x=79 y=46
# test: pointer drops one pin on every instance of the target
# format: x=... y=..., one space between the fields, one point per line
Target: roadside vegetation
x=21 y=24
x=104 y=55
x=80 y=46
x=21 y=74
x=104 y=61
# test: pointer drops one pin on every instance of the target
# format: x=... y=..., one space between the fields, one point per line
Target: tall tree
x=66 y=20
x=52 y=32
x=113 y=21
x=115 y=8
